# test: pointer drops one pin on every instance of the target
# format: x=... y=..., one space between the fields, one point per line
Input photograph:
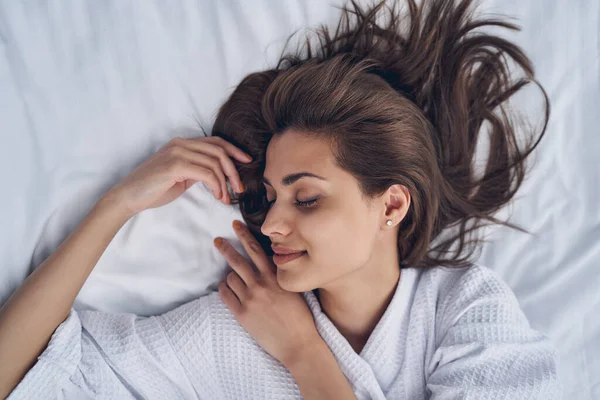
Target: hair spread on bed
x=403 y=95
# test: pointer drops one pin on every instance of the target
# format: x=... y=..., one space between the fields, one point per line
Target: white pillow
x=163 y=257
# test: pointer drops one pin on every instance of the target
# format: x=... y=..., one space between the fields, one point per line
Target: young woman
x=358 y=184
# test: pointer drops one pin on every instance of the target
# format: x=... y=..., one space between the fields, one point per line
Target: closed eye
x=299 y=203
x=307 y=203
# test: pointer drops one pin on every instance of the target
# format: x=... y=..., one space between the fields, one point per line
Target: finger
x=231 y=150
x=237 y=285
x=237 y=262
x=220 y=149
x=229 y=298
x=220 y=153
x=206 y=162
x=183 y=170
x=253 y=248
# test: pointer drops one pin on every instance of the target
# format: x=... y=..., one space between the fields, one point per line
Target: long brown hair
x=403 y=97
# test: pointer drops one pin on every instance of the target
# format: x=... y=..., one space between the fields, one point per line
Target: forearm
x=319 y=376
x=44 y=300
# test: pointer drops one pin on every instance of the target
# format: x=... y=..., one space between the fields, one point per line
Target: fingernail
x=247 y=157
x=241 y=187
x=237 y=224
x=218 y=242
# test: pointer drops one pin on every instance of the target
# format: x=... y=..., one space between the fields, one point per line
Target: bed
x=89 y=89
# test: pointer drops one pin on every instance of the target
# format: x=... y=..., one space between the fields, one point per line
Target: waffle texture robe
x=446 y=334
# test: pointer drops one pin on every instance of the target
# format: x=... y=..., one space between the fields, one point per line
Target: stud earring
x=389 y=222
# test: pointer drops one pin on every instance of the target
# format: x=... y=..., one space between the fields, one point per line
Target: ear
x=397 y=203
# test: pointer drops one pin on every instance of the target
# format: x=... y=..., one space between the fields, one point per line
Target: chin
x=290 y=283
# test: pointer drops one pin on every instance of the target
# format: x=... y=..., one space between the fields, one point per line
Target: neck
x=356 y=302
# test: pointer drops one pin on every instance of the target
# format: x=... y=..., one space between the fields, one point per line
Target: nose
x=276 y=222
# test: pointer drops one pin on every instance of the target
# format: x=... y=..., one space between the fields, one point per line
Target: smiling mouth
x=280 y=259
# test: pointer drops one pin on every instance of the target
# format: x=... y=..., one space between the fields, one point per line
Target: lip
x=285 y=250
x=280 y=259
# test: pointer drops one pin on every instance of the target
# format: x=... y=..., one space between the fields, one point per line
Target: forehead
x=293 y=151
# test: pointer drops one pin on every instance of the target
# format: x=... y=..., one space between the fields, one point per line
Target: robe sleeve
x=96 y=354
x=57 y=363
x=486 y=348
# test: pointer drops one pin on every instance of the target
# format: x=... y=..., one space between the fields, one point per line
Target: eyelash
x=306 y=204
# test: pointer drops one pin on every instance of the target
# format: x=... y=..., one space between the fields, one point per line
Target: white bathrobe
x=447 y=334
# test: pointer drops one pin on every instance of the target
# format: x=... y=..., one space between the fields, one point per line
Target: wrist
x=318 y=374
x=112 y=205
x=308 y=355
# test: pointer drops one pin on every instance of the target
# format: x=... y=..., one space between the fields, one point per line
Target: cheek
x=340 y=239
x=338 y=243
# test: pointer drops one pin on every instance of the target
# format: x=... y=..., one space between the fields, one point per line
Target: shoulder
x=471 y=295
x=484 y=344
x=471 y=283
x=192 y=316
x=199 y=320
x=467 y=281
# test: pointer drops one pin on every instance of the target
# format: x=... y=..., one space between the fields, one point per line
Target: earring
x=389 y=222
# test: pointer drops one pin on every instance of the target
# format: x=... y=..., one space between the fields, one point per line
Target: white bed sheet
x=89 y=89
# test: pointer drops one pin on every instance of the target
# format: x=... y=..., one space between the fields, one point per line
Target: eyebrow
x=292 y=178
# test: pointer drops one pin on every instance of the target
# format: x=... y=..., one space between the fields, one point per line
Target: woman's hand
x=279 y=321
x=175 y=167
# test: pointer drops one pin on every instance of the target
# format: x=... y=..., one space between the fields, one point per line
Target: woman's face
x=325 y=217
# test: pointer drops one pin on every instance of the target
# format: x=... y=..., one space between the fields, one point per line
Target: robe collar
x=383 y=348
